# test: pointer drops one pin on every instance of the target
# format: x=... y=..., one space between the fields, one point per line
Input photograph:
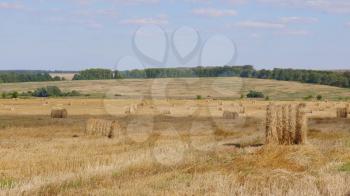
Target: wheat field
x=168 y=146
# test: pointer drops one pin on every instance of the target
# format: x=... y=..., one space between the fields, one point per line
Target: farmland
x=172 y=143
x=188 y=88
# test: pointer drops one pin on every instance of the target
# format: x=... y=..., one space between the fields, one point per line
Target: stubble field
x=168 y=145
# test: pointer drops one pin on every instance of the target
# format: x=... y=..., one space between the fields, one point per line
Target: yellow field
x=67 y=76
x=191 y=150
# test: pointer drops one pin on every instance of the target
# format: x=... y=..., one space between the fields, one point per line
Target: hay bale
x=130 y=110
x=301 y=125
x=286 y=124
x=59 y=113
x=342 y=112
x=165 y=112
x=230 y=115
x=291 y=123
x=101 y=127
x=279 y=123
x=271 y=120
x=241 y=110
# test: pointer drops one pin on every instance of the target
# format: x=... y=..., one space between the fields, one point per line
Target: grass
x=345 y=167
x=189 y=88
x=7 y=183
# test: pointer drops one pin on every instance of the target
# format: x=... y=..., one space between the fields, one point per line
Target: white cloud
x=162 y=20
x=94 y=13
x=261 y=24
x=297 y=19
x=293 y=32
x=331 y=6
x=212 y=12
x=11 y=6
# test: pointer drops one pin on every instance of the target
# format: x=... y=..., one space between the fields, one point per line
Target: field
x=67 y=76
x=189 y=88
x=172 y=144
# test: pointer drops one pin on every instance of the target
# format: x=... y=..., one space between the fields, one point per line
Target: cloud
x=300 y=20
x=11 y=6
x=261 y=24
x=117 y=2
x=161 y=20
x=94 y=13
x=294 y=32
x=212 y=12
x=330 y=6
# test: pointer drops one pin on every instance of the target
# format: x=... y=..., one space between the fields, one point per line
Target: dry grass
x=191 y=151
x=170 y=146
x=189 y=88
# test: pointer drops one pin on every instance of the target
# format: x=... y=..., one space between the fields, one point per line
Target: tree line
x=332 y=78
x=22 y=76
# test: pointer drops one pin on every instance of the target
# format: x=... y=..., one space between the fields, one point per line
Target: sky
x=128 y=34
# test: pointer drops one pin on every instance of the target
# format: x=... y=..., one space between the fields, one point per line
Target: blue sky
x=78 y=34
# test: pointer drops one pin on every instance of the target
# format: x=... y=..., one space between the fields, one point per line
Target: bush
x=255 y=94
x=14 y=95
x=199 y=97
x=309 y=97
x=40 y=92
x=3 y=95
x=49 y=91
x=53 y=91
x=73 y=93
x=345 y=167
x=319 y=97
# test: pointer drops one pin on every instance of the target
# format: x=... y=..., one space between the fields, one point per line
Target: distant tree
x=255 y=94
x=319 y=97
x=94 y=74
x=57 y=78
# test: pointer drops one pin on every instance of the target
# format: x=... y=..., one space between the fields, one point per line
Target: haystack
x=165 y=112
x=286 y=124
x=342 y=112
x=59 y=113
x=130 y=110
x=230 y=115
x=101 y=127
x=271 y=125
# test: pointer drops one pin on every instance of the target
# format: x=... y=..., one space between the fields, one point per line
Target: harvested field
x=193 y=150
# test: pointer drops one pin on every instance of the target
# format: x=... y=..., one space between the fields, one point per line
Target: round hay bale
x=59 y=113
